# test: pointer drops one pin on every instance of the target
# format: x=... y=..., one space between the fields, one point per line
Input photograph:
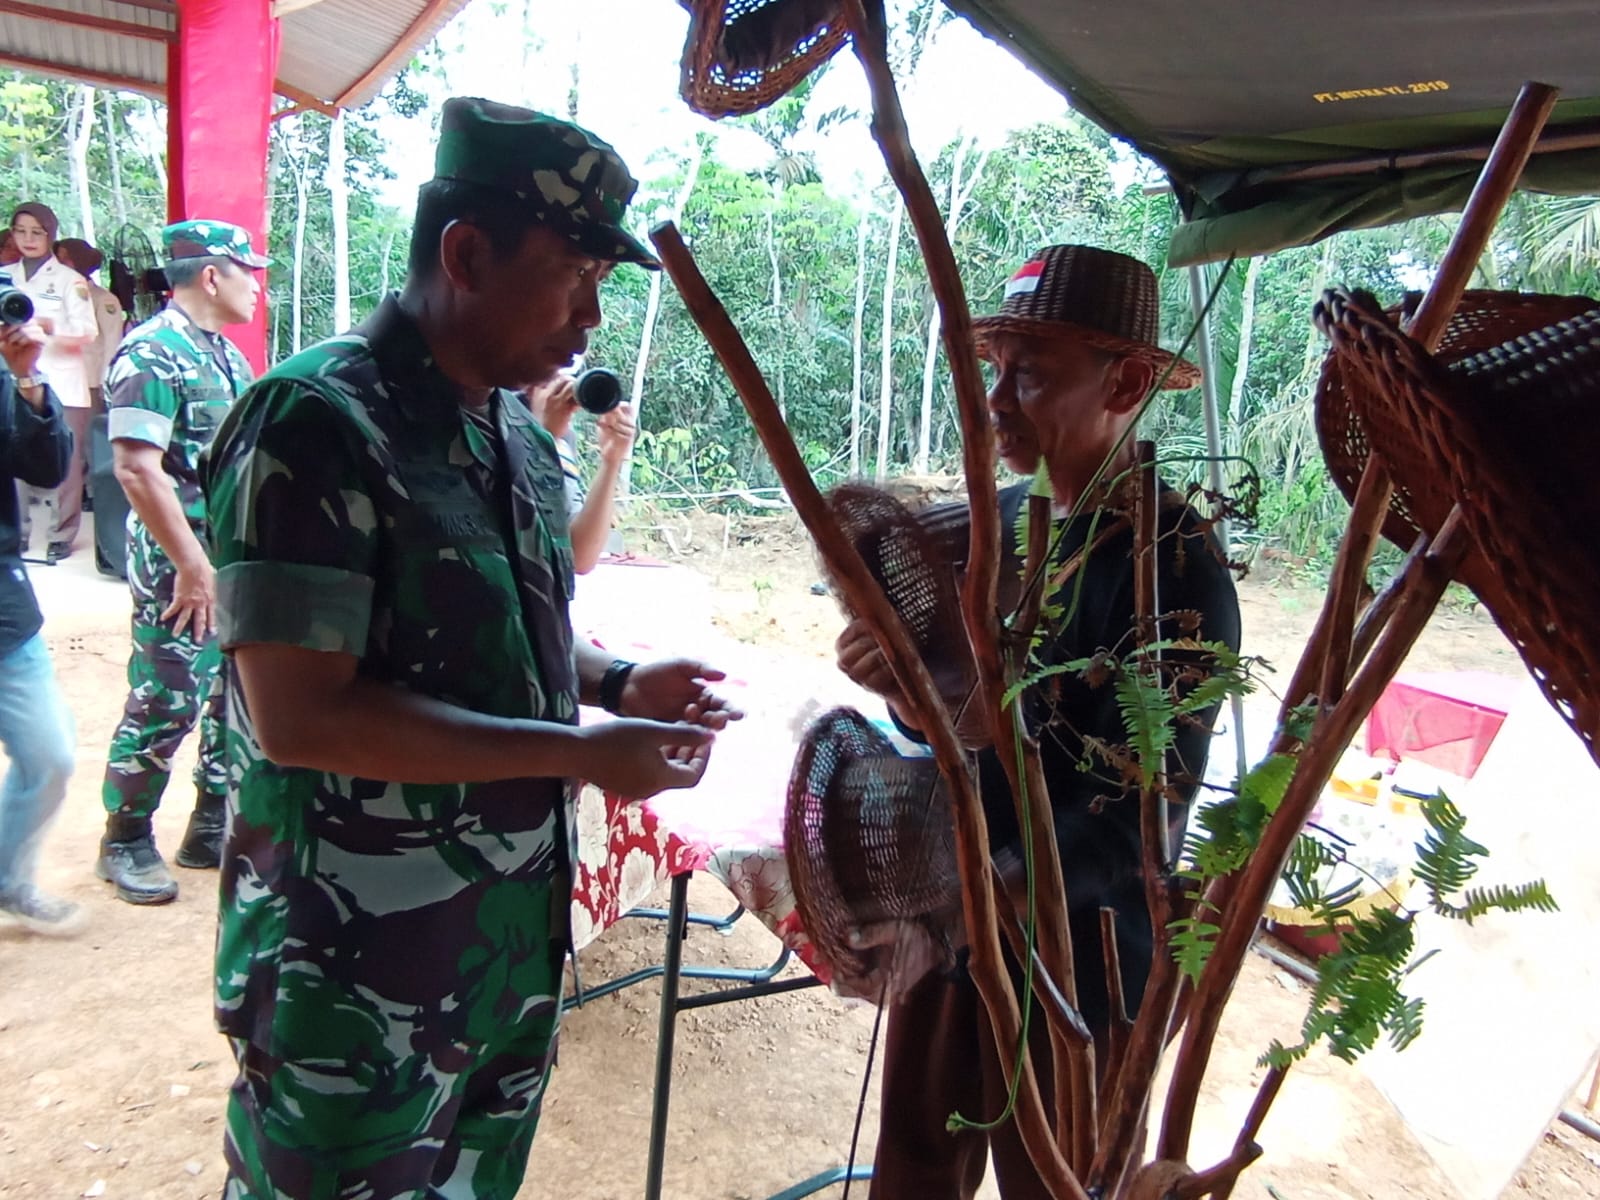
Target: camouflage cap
x=577 y=184
x=211 y=239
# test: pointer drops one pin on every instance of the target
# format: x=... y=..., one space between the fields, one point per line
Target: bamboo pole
x=1496 y=182
x=865 y=597
x=1065 y=1080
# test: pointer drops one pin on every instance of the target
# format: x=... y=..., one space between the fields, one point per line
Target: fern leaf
x=1147 y=717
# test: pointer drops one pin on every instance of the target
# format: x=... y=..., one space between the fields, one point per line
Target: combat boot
x=129 y=859
x=202 y=841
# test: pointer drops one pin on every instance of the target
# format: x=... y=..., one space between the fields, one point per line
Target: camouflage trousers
x=363 y=1122
x=174 y=682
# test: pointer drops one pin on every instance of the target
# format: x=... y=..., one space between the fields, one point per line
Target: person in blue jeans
x=35 y=726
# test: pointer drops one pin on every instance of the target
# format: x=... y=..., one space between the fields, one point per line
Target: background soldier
x=168 y=389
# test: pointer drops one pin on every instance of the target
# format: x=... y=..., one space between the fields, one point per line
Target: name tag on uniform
x=447 y=508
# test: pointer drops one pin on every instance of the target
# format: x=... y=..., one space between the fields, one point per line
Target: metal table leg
x=671 y=965
x=755 y=983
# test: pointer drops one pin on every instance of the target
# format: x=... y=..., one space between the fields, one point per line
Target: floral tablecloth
x=731 y=825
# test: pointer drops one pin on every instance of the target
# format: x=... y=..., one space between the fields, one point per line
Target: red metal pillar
x=220 y=75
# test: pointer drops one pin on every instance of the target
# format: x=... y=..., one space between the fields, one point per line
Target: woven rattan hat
x=741 y=55
x=1500 y=423
x=1106 y=299
x=868 y=838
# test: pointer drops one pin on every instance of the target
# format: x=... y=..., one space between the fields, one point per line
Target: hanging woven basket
x=868 y=838
x=741 y=55
x=1500 y=422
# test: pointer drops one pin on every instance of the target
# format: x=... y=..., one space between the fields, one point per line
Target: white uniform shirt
x=61 y=296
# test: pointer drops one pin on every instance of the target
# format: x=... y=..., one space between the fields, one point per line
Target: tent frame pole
x=1199 y=286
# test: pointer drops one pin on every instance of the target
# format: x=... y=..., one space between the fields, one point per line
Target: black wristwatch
x=612 y=683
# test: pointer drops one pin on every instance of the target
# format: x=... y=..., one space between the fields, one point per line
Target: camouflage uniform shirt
x=170 y=385
x=356 y=507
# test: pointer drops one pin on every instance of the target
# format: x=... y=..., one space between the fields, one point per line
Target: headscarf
x=41 y=213
x=80 y=255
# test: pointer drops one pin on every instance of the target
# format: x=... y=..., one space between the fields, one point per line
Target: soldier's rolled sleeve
x=139 y=425
x=141 y=399
x=293 y=528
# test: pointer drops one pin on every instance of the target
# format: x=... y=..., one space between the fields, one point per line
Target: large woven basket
x=1500 y=423
x=741 y=55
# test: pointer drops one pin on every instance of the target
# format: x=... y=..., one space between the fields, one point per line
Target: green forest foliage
x=1051 y=181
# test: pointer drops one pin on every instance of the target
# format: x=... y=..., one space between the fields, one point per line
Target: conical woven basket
x=1500 y=423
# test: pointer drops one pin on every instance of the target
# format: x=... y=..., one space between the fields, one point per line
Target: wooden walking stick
x=1074 y=1077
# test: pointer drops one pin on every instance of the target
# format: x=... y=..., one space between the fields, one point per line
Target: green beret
x=211 y=239
x=575 y=183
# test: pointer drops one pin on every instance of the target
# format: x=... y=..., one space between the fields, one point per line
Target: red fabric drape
x=220 y=75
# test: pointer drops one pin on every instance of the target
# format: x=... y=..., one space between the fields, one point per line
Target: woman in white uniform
x=63 y=309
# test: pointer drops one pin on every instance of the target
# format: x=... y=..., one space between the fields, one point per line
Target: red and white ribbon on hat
x=1025 y=280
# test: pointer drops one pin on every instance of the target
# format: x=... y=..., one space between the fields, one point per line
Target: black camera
x=16 y=306
x=598 y=390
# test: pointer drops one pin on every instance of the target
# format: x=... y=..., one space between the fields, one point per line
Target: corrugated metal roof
x=338 y=52
x=34 y=38
x=341 y=51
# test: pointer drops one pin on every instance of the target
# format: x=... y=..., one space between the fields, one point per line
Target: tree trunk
x=158 y=155
x=1241 y=369
x=80 y=126
x=119 y=202
x=339 y=200
x=856 y=363
x=777 y=290
x=383 y=265
x=959 y=196
x=886 y=376
x=652 y=308
x=302 y=186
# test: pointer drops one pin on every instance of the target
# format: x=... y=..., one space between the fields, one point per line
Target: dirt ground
x=112 y=1080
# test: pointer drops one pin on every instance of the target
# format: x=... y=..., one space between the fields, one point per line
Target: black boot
x=202 y=841
x=129 y=859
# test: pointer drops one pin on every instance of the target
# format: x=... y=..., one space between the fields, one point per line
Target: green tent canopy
x=1280 y=122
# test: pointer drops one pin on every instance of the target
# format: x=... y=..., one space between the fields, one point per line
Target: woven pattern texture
x=916 y=574
x=868 y=838
x=741 y=55
x=1101 y=297
x=1498 y=422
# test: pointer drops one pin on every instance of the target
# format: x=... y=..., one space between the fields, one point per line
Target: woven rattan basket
x=1500 y=423
x=741 y=55
x=868 y=838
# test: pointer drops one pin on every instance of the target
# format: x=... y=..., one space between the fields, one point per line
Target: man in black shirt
x=1075 y=353
x=35 y=726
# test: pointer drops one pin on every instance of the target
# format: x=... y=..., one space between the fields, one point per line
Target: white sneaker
x=41 y=913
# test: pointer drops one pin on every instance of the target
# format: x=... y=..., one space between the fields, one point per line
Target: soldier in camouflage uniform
x=394 y=568
x=167 y=390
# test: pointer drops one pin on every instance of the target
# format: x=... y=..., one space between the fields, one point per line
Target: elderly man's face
x=1050 y=399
